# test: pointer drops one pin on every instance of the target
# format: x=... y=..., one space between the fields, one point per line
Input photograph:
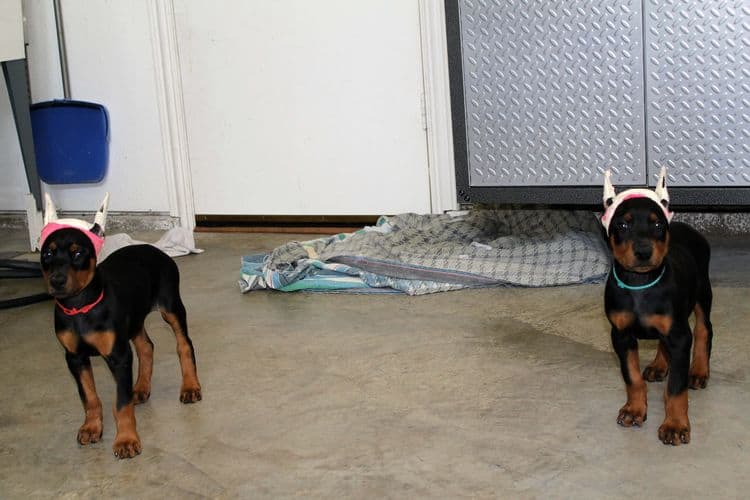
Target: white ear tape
x=611 y=200
x=609 y=190
x=661 y=188
x=101 y=214
x=50 y=212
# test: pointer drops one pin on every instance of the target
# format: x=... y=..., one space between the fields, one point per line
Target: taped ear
x=661 y=188
x=609 y=190
x=100 y=219
x=50 y=212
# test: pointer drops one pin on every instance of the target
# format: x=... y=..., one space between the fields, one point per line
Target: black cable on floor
x=24 y=301
x=16 y=269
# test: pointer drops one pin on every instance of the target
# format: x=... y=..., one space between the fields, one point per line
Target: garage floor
x=498 y=393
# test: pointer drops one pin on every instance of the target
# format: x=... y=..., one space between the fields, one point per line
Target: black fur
x=131 y=282
x=647 y=249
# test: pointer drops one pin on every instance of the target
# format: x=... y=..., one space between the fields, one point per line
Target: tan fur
x=103 y=342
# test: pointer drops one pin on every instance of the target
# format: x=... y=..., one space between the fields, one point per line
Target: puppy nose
x=58 y=281
x=642 y=252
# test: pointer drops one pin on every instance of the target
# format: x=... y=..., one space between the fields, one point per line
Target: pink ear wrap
x=629 y=195
x=80 y=225
x=52 y=223
x=660 y=196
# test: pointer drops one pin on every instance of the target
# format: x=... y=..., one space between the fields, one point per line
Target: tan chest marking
x=103 y=342
x=68 y=339
x=662 y=323
x=621 y=319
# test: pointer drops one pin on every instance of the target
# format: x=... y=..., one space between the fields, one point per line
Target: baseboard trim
x=326 y=230
x=285 y=220
x=117 y=222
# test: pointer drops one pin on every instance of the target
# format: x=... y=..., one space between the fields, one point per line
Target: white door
x=301 y=107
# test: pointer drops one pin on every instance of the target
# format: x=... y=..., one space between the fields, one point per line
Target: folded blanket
x=419 y=254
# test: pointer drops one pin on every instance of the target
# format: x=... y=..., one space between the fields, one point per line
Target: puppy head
x=612 y=200
x=639 y=235
x=94 y=232
x=68 y=259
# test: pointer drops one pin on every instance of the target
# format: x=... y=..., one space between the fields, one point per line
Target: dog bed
x=419 y=254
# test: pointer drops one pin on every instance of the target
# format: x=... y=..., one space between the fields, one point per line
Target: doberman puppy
x=100 y=309
x=659 y=277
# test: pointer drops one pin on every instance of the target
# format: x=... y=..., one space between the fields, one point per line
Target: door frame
x=166 y=56
x=437 y=106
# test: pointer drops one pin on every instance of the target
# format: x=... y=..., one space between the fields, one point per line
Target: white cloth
x=176 y=242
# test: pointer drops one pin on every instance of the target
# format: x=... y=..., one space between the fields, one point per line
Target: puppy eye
x=47 y=255
x=623 y=226
x=658 y=224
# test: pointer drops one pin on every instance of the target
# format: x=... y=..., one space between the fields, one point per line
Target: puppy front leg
x=80 y=367
x=127 y=443
x=634 y=412
x=675 y=429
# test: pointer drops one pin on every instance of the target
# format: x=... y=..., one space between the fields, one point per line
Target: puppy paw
x=674 y=433
x=190 y=394
x=140 y=395
x=126 y=446
x=632 y=415
x=90 y=432
x=654 y=373
x=697 y=380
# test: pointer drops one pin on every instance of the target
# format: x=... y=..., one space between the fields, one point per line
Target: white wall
x=13 y=184
x=11 y=30
x=346 y=76
x=11 y=166
x=110 y=60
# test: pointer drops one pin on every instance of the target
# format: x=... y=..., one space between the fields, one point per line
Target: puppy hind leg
x=702 y=341
x=144 y=349
x=657 y=370
x=174 y=314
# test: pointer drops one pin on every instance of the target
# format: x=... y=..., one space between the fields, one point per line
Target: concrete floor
x=496 y=393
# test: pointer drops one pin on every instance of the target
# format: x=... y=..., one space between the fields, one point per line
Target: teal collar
x=624 y=285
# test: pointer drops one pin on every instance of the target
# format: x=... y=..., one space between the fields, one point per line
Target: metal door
x=553 y=91
x=546 y=95
x=698 y=91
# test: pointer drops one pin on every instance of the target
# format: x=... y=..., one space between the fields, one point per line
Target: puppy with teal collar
x=659 y=277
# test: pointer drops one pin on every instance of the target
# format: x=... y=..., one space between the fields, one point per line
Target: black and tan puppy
x=101 y=309
x=659 y=277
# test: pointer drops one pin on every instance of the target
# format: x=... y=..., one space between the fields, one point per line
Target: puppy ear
x=50 y=212
x=100 y=219
x=609 y=190
x=661 y=188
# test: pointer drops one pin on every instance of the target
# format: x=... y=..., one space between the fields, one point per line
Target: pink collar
x=80 y=310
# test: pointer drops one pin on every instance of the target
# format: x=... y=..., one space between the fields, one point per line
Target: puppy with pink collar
x=100 y=311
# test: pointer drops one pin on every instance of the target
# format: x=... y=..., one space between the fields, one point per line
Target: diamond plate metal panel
x=698 y=100
x=553 y=91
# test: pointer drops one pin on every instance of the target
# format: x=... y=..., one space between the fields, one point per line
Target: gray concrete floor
x=495 y=393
